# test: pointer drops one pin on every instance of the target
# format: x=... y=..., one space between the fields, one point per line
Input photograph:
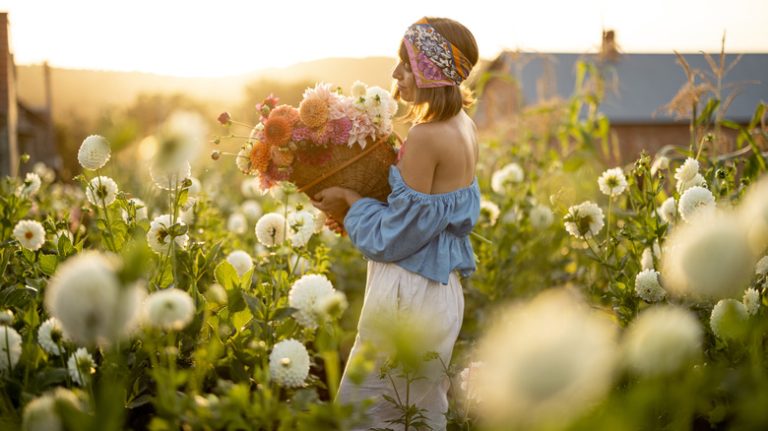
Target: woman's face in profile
x=406 y=83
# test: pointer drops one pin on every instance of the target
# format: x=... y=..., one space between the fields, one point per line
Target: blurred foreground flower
x=289 y=363
x=708 y=257
x=94 y=152
x=541 y=217
x=45 y=412
x=662 y=339
x=509 y=174
x=546 y=362
x=85 y=296
x=241 y=261
x=754 y=214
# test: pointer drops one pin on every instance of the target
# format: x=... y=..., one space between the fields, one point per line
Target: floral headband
x=436 y=61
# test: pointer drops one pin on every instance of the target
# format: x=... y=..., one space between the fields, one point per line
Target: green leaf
x=48 y=263
x=226 y=275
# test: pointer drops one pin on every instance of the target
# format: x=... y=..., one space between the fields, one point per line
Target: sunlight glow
x=230 y=37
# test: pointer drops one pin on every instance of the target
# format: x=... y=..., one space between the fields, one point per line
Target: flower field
x=183 y=296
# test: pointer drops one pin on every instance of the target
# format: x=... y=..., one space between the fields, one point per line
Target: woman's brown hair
x=442 y=103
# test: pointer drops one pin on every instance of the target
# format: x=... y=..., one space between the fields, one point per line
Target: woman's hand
x=335 y=201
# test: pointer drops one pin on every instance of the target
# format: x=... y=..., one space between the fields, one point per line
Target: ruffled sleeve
x=393 y=230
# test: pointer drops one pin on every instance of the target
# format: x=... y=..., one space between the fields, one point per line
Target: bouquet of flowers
x=328 y=140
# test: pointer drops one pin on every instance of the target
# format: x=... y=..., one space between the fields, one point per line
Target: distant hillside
x=87 y=92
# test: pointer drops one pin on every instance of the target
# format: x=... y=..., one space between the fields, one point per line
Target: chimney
x=609 y=50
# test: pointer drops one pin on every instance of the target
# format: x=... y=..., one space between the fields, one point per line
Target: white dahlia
x=10 y=348
x=140 y=209
x=101 y=191
x=541 y=217
x=647 y=286
x=94 y=152
x=241 y=261
x=490 y=211
x=289 y=363
x=761 y=267
x=251 y=209
x=584 y=220
x=305 y=293
x=661 y=163
x=751 y=300
x=696 y=181
x=696 y=201
x=50 y=335
x=30 y=234
x=270 y=229
x=237 y=224
x=301 y=227
x=612 y=182
x=661 y=340
x=159 y=234
x=667 y=211
x=30 y=186
x=686 y=172
x=243 y=160
x=81 y=366
x=170 y=176
x=170 y=309
x=506 y=176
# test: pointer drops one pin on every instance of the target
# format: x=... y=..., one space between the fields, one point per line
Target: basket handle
x=346 y=163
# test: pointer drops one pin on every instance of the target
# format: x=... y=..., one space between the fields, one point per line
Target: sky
x=231 y=37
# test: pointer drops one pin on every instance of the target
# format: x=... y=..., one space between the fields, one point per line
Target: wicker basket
x=365 y=171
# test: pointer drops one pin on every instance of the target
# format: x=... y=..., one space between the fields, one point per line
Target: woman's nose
x=397 y=73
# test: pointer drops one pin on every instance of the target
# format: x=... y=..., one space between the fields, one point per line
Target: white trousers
x=392 y=293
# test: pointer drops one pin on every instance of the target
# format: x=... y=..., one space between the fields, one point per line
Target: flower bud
x=215 y=154
x=224 y=119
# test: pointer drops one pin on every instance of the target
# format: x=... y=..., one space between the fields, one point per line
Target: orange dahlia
x=260 y=156
x=286 y=111
x=282 y=156
x=313 y=112
x=277 y=130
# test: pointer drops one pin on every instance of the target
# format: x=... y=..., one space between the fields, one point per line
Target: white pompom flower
x=661 y=340
x=30 y=186
x=159 y=234
x=506 y=176
x=181 y=137
x=6 y=317
x=289 y=363
x=728 y=318
x=10 y=348
x=646 y=261
x=686 y=172
x=101 y=191
x=85 y=296
x=243 y=159
x=661 y=163
x=301 y=227
x=241 y=261
x=612 y=182
x=50 y=336
x=30 y=234
x=584 y=220
x=81 y=366
x=541 y=217
x=647 y=286
x=490 y=211
x=170 y=309
x=358 y=89
x=696 y=201
x=697 y=181
x=761 y=267
x=250 y=187
x=251 y=209
x=94 y=152
x=331 y=306
x=751 y=300
x=305 y=293
x=270 y=229
x=237 y=223
x=170 y=176
x=140 y=209
x=668 y=210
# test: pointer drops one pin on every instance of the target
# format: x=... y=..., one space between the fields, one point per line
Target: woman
x=418 y=240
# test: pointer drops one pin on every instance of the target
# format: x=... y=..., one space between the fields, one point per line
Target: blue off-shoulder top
x=424 y=233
